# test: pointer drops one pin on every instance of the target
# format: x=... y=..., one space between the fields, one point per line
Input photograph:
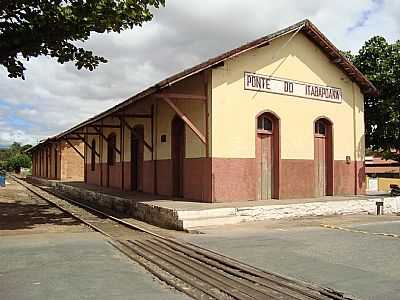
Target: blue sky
x=55 y=97
x=12 y=118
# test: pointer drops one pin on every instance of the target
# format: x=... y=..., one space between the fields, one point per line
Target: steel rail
x=264 y=282
x=118 y=244
x=233 y=288
x=257 y=282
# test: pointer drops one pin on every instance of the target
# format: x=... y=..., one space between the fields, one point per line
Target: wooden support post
x=205 y=175
x=122 y=145
x=101 y=157
x=155 y=128
x=184 y=118
x=152 y=147
x=47 y=161
x=76 y=150
x=85 y=158
x=205 y=80
x=152 y=132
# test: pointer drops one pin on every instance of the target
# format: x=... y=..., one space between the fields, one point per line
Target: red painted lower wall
x=93 y=177
x=147 y=183
x=230 y=179
x=233 y=179
x=164 y=177
x=297 y=178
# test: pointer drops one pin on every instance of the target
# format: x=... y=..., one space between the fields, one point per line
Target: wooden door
x=137 y=158
x=320 y=165
x=266 y=164
x=178 y=155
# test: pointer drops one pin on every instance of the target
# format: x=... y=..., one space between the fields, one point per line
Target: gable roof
x=305 y=26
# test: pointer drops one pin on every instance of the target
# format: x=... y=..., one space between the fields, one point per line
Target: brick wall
x=72 y=164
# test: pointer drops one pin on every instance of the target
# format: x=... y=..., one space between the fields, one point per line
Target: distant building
x=381 y=173
x=379 y=167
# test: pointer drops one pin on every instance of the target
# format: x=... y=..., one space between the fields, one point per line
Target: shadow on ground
x=20 y=215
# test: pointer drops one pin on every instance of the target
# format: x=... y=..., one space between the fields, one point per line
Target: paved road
x=44 y=254
x=362 y=264
x=72 y=266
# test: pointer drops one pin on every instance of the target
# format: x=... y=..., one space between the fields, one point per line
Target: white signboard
x=269 y=84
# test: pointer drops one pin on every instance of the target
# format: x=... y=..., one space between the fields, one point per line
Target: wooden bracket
x=133 y=132
x=76 y=150
x=184 y=118
x=87 y=144
x=102 y=135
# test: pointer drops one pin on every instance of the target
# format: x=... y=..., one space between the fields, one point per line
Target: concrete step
x=234 y=215
x=217 y=221
x=206 y=213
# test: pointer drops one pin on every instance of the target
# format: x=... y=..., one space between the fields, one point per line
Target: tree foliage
x=18 y=161
x=380 y=62
x=13 y=158
x=30 y=28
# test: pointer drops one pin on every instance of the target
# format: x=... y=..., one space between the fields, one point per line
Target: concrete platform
x=182 y=214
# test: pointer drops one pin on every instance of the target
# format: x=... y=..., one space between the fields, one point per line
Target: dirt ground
x=23 y=213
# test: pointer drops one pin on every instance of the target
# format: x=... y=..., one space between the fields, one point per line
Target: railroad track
x=200 y=273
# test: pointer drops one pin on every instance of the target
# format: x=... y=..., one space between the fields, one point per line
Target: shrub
x=18 y=161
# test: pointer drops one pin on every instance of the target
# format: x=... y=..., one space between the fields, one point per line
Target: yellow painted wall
x=194 y=110
x=384 y=183
x=89 y=140
x=234 y=109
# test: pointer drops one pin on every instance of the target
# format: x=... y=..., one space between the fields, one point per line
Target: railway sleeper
x=217 y=274
x=257 y=283
x=315 y=292
x=160 y=273
x=180 y=274
x=281 y=292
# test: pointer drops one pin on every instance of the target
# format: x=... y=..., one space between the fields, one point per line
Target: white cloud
x=55 y=97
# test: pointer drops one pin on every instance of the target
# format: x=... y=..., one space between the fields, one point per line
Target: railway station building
x=280 y=117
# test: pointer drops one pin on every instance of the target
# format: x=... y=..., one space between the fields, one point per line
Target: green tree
x=13 y=158
x=29 y=28
x=380 y=62
x=18 y=161
x=14 y=148
x=25 y=147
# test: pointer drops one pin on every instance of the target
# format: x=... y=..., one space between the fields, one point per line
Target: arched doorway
x=137 y=158
x=178 y=155
x=267 y=156
x=323 y=158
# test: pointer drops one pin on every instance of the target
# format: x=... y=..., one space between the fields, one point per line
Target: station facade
x=280 y=117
